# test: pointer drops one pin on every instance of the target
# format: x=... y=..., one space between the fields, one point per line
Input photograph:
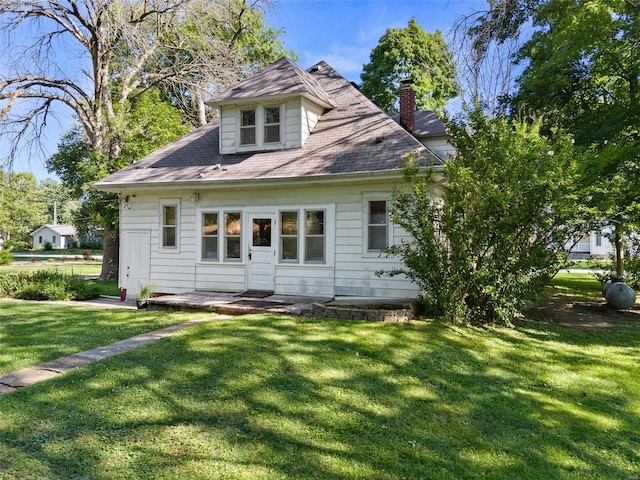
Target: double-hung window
x=314 y=236
x=377 y=225
x=289 y=236
x=271 y=124
x=169 y=225
x=248 y=127
x=232 y=236
x=210 y=236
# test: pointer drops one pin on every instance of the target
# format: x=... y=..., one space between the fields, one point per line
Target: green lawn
x=580 y=286
x=36 y=332
x=274 y=397
x=78 y=268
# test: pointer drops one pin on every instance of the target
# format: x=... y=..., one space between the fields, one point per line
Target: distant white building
x=596 y=244
x=60 y=236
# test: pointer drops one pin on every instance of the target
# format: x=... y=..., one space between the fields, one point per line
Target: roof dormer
x=274 y=109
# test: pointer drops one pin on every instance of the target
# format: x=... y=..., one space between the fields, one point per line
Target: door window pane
x=209 y=236
x=314 y=236
x=232 y=241
x=289 y=236
x=261 y=232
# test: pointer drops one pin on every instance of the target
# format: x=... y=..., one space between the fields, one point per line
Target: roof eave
x=270 y=98
x=264 y=182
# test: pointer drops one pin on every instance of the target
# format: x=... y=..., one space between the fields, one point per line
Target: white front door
x=261 y=260
x=136 y=253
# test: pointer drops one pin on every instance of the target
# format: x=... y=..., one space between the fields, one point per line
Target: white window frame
x=201 y=256
x=366 y=200
x=169 y=203
x=329 y=235
x=224 y=236
x=246 y=127
x=305 y=236
x=282 y=260
x=260 y=125
x=265 y=124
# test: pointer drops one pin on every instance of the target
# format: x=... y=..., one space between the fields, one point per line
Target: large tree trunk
x=111 y=256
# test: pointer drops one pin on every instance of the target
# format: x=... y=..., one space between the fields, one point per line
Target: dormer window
x=247 y=127
x=272 y=124
x=259 y=127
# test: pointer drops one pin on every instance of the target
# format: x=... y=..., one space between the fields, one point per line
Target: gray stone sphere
x=620 y=296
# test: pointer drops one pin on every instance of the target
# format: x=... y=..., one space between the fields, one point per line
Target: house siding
x=348 y=271
x=310 y=116
x=228 y=129
x=292 y=123
x=440 y=146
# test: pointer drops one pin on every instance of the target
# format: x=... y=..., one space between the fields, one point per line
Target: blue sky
x=340 y=32
x=343 y=33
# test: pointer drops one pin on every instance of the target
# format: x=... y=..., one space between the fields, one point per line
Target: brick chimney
x=407 y=105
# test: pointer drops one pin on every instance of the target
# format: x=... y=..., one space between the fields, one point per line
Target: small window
x=289 y=236
x=314 y=236
x=248 y=127
x=210 y=236
x=232 y=231
x=272 y=124
x=169 y=225
x=53 y=239
x=378 y=226
x=598 y=240
x=40 y=239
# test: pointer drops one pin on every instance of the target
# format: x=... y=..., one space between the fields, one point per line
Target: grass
x=580 y=286
x=36 y=332
x=275 y=397
x=88 y=268
x=58 y=251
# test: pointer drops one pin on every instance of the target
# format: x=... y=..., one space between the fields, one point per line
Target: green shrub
x=47 y=285
x=30 y=291
x=5 y=257
x=48 y=246
x=484 y=244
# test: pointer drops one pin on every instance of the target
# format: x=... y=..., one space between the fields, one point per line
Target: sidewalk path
x=32 y=375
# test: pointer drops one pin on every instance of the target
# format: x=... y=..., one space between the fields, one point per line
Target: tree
x=22 y=207
x=482 y=244
x=410 y=53
x=122 y=49
x=61 y=206
x=582 y=74
x=152 y=124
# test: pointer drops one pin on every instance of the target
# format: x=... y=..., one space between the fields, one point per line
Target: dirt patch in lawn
x=582 y=315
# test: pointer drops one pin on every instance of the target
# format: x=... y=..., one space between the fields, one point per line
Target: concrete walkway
x=32 y=375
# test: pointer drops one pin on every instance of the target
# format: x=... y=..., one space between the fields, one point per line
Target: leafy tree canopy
x=146 y=125
x=410 y=53
x=22 y=206
x=582 y=75
x=484 y=243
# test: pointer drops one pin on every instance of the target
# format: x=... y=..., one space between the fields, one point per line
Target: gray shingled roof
x=426 y=124
x=279 y=79
x=355 y=137
x=66 y=230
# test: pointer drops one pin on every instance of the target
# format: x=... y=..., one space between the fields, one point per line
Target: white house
x=596 y=244
x=287 y=191
x=60 y=236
